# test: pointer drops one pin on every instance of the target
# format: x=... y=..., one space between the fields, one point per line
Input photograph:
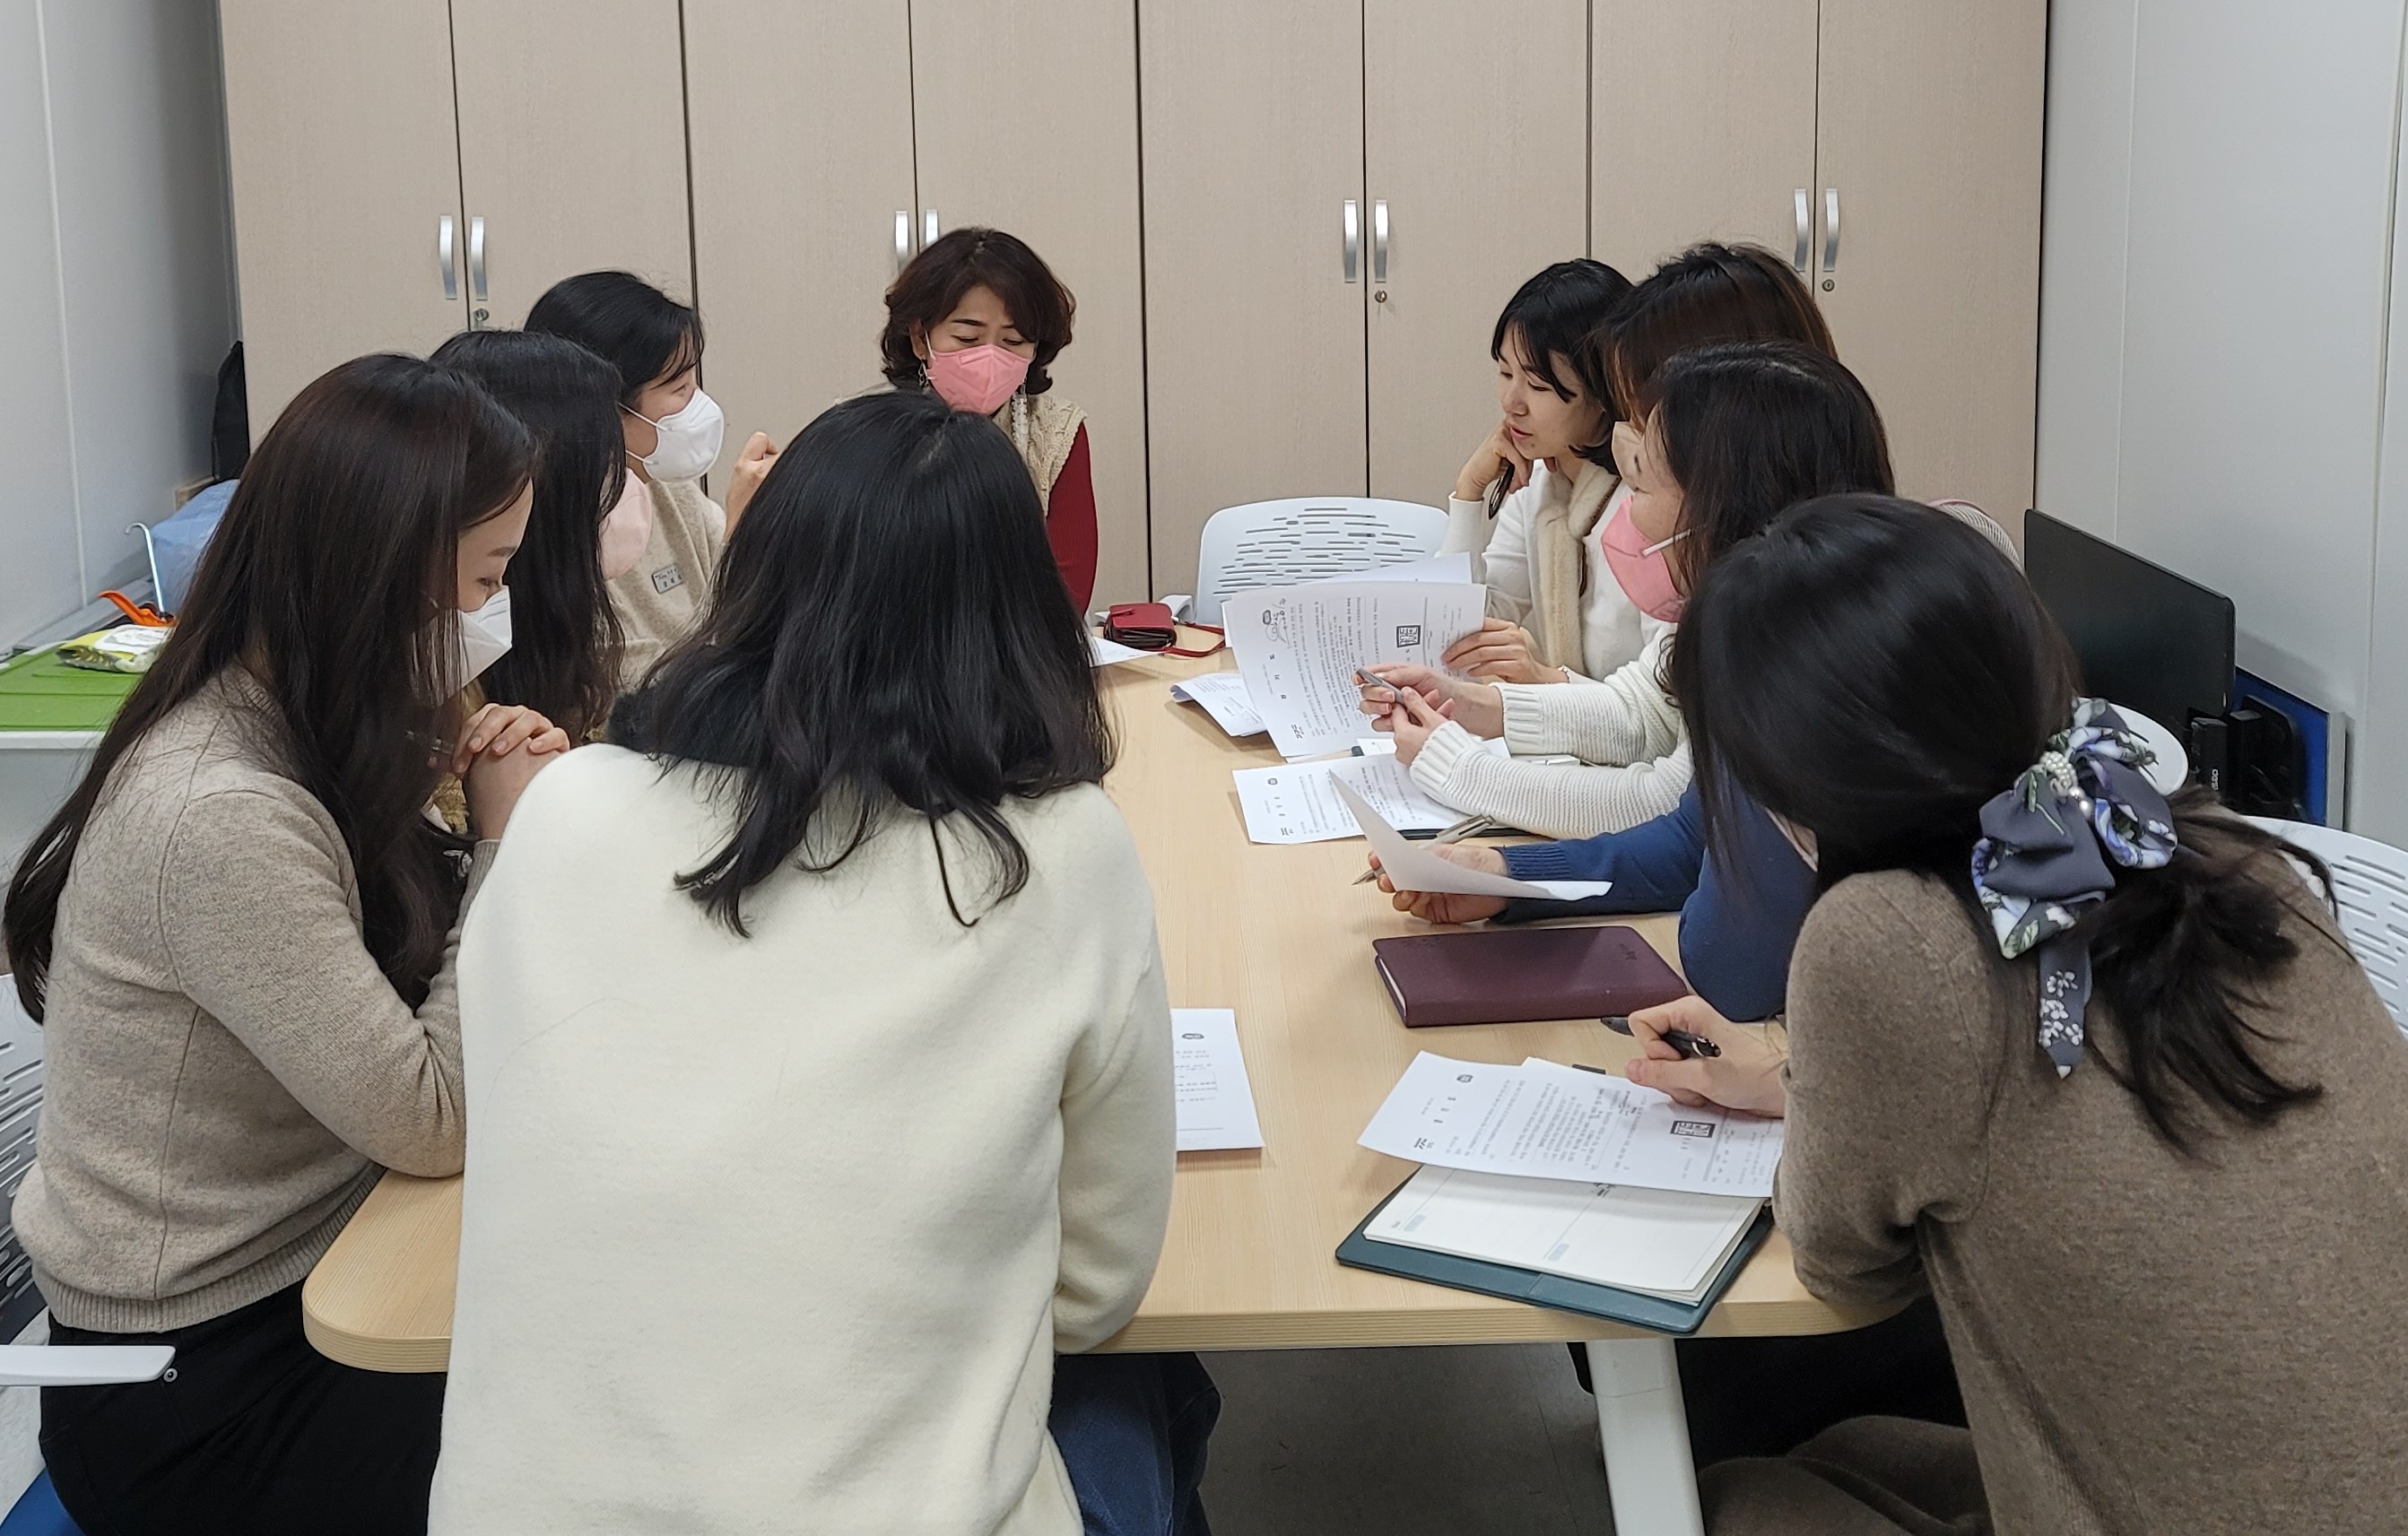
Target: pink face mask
x=626 y=528
x=1640 y=567
x=978 y=380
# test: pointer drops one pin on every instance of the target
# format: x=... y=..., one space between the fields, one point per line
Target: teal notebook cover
x=1548 y=1290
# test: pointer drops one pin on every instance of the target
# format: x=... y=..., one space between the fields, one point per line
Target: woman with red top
x=978 y=318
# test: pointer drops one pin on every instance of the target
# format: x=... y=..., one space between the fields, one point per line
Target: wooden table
x=1279 y=935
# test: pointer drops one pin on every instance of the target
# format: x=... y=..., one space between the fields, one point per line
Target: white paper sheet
x=1414 y=868
x=1299 y=649
x=1216 y=1102
x=1297 y=802
x=1438 y=567
x=1222 y=696
x=1654 y=1241
x=1553 y=1121
x=1103 y=652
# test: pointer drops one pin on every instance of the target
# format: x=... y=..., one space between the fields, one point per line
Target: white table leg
x=1645 y=1434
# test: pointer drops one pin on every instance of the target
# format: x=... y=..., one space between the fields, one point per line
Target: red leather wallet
x=1149 y=626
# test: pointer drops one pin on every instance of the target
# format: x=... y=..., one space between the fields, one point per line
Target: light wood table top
x=1276 y=933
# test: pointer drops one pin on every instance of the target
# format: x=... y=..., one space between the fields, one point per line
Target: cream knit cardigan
x=1540 y=558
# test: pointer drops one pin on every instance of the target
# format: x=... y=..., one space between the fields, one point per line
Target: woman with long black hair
x=238 y=934
x=2094 y=1066
x=859 y=1004
x=583 y=529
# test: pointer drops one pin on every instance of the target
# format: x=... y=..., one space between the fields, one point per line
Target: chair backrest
x=1304 y=539
x=2371 y=885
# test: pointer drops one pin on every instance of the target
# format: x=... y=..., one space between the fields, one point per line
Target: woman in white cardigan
x=818 y=1056
x=1730 y=434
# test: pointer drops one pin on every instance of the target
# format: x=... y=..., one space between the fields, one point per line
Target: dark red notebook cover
x=1514 y=975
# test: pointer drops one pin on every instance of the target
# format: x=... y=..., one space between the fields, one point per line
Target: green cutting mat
x=41 y=693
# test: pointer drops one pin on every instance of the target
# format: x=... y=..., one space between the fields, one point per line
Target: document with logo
x=1216 y=1102
x=1298 y=802
x=1546 y=1121
x=1300 y=647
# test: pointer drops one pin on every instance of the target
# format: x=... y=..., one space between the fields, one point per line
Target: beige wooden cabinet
x=408 y=168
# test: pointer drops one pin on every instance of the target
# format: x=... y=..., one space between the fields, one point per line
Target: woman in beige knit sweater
x=2098 y=1069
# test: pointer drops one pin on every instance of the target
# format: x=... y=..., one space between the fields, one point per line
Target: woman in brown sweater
x=2097 y=1070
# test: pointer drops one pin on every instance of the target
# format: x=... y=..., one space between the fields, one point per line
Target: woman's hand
x=1502 y=651
x=1447 y=906
x=753 y=467
x=1496 y=456
x=1745 y=1077
x=1477 y=707
x=498 y=730
x=1411 y=722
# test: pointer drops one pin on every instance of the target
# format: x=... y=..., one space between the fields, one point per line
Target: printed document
x=1299 y=649
x=1553 y=1121
x=1297 y=802
x=1222 y=696
x=1216 y=1102
x=1413 y=868
x=1103 y=652
x=1653 y=1241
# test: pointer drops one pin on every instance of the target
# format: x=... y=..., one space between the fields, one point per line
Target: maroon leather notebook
x=1513 y=975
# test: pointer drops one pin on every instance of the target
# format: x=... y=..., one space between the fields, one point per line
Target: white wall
x=2216 y=312
x=116 y=287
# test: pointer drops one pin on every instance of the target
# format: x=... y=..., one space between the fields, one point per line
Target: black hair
x=627 y=322
x=1708 y=292
x=328 y=578
x=1560 y=312
x=888 y=635
x=932 y=285
x=1874 y=671
x=564 y=637
x=1750 y=427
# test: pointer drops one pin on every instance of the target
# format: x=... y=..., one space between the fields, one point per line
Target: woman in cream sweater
x=840 y=964
x=2094 y=1068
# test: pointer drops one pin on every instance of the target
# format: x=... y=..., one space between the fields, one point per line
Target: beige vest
x=1569 y=508
x=1043 y=428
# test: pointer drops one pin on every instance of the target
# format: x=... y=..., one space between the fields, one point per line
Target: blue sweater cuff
x=1539 y=861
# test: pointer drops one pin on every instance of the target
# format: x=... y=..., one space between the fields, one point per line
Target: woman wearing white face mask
x=978 y=318
x=672 y=433
x=240 y=935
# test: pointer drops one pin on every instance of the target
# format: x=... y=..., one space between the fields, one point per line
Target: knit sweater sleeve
x=1893 y=1065
x=258 y=927
x=1628 y=718
x=1118 y=1151
x=1552 y=800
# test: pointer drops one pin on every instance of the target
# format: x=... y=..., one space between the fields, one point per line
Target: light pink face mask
x=626 y=529
x=1645 y=576
x=979 y=379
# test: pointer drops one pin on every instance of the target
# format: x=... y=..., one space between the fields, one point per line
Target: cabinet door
x=800 y=129
x=1928 y=150
x=572 y=146
x=345 y=169
x=1704 y=116
x=1253 y=120
x=1477 y=170
x=1070 y=71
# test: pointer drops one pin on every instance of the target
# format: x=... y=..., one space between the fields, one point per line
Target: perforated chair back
x=2371 y=884
x=1304 y=539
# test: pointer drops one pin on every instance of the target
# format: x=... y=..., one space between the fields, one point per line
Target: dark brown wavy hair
x=927 y=290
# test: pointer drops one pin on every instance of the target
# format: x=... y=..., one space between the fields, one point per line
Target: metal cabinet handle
x=1805 y=232
x=1830 y=229
x=929 y=229
x=1352 y=252
x=444 y=232
x=1380 y=240
x=477 y=260
x=902 y=238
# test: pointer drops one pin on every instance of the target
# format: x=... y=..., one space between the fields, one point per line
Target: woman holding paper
x=877 y=949
x=2096 y=1067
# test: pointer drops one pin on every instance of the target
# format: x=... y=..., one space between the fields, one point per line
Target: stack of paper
x=1300 y=647
x=1222 y=696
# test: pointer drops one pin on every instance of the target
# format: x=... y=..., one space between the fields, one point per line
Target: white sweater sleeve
x=1119 y=1147
x=1499 y=548
x=1628 y=718
x=1552 y=800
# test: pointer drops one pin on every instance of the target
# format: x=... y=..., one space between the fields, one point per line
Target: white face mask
x=483 y=638
x=691 y=438
x=626 y=530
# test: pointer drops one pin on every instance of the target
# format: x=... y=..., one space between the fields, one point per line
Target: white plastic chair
x=2371 y=884
x=20 y=1304
x=1304 y=539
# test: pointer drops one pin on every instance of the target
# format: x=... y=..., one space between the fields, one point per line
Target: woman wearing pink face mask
x=1725 y=436
x=978 y=318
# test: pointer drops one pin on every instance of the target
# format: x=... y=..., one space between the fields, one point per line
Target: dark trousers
x=256 y=1434
x=1132 y=1430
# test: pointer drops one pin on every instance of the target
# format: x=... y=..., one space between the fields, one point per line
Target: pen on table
x=1690 y=1045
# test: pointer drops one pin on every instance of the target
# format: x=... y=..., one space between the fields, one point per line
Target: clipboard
x=1510 y=1283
